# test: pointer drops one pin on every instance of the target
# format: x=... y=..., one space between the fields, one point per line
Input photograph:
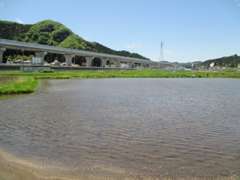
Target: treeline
x=228 y=61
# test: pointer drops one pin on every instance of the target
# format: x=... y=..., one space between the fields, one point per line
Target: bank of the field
x=23 y=82
x=147 y=73
x=17 y=85
x=13 y=168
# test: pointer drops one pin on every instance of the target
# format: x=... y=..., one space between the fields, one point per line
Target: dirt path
x=12 y=168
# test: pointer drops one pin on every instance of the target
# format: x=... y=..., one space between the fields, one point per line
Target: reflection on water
x=155 y=127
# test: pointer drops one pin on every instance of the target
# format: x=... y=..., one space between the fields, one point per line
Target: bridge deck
x=11 y=44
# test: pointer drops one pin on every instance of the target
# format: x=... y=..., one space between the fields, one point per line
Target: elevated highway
x=88 y=58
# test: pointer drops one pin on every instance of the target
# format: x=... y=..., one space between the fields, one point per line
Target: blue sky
x=191 y=29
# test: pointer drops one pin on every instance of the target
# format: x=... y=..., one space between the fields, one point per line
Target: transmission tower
x=162 y=51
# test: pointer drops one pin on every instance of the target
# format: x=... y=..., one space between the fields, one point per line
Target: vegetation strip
x=22 y=82
x=19 y=85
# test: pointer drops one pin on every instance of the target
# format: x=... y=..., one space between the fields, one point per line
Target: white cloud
x=19 y=20
x=134 y=46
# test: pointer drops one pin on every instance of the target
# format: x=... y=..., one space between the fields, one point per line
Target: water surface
x=152 y=127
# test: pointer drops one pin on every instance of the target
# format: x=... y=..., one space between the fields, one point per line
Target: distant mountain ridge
x=232 y=61
x=53 y=33
x=227 y=61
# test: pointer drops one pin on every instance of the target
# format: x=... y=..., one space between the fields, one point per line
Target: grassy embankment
x=17 y=85
x=22 y=82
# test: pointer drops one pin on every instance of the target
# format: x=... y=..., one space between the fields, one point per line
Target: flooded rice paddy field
x=145 y=127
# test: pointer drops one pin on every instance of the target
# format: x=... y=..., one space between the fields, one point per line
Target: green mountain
x=228 y=61
x=55 y=34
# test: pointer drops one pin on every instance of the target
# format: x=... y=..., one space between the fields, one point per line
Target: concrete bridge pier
x=145 y=65
x=118 y=64
x=40 y=56
x=108 y=62
x=104 y=62
x=131 y=65
x=89 y=61
x=141 y=66
x=1 y=54
x=68 y=59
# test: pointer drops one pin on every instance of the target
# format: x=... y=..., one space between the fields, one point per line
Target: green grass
x=19 y=85
x=147 y=73
x=27 y=82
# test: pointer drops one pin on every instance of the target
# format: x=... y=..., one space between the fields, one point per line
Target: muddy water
x=152 y=127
